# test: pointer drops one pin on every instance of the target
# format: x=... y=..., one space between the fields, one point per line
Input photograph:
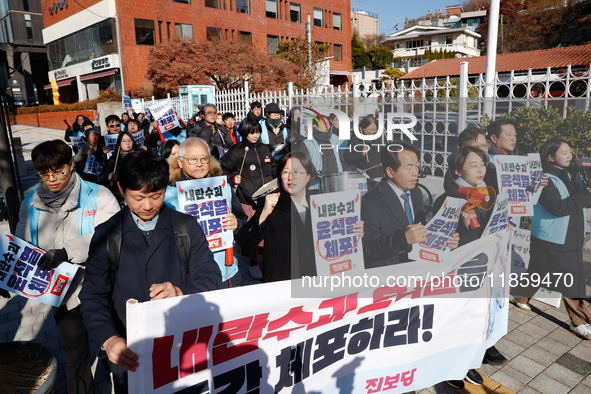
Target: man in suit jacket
x=149 y=266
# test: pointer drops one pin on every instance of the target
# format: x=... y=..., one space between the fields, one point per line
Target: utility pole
x=119 y=50
x=309 y=34
x=491 y=56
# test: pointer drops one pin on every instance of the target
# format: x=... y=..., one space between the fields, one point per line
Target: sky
x=391 y=12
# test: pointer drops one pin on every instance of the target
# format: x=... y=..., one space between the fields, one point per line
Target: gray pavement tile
x=587 y=381
x=540 y=355
x=559 y=314
x=522 y=338
x=507 y=381
x=7 y=306
x=580 y=389
x=30 y=320
x=442 y=388
x=563 y=375
x=552 y=346
x=3 y=337
x=10 y=325
x=544 y=322
x=581 y=352
x=3 y=318
x=565 y=337
x=574 y=364
x=528 y=390
x=515 y=374
x=533 y=330
x=16 y=315
x=519 y=316
x=526 y=366
x=508 y=348
x=24 y=334
x=487 y=369
x=546 y=385
x=512 y=325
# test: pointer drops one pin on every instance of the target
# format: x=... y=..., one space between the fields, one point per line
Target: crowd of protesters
x=135 y=208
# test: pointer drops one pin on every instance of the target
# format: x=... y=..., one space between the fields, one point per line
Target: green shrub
x=105 y=96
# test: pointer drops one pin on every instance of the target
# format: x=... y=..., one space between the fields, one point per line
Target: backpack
x=182 y=240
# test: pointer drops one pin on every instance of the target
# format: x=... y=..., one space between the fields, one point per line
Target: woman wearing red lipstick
x=468 y=167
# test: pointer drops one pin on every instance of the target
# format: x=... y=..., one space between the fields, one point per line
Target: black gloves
x=4 y=293
x=52 y=258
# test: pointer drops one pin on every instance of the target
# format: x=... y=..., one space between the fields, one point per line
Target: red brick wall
x=135 y=57
x=51 y=120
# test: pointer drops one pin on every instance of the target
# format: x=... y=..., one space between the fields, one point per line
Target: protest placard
x=161 y=108
x=397 y=339
x=520 y=248
x=513 y=176
x=137 y=105
x=19 y=273
x=440 y=229
x=126 y=103
x=499 y=219
x=337 y=248
x=536 y=174
x=93 y=166
x=111 y=141
x=208 y=201
x=139 y=138
x=78 y=142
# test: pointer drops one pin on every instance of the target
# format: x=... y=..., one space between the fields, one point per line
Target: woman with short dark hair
x=366 y=157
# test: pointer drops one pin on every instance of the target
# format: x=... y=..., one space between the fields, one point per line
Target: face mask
x=274 y=122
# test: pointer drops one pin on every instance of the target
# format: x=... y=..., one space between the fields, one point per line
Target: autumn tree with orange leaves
x=228 y=64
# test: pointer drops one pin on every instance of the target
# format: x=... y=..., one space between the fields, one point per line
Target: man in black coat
x=393 y=212
x=150 y=267
x=210 y=131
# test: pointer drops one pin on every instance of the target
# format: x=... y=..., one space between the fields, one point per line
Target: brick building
x=85 y=56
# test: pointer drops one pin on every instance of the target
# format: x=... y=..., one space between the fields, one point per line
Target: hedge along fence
x=104 y=96
x=52 y=120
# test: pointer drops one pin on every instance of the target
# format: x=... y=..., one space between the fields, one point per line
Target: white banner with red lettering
x=397 y=338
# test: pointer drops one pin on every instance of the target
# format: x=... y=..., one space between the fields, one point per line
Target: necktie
x=407 y=208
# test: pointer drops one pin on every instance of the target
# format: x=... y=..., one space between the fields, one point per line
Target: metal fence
x=443 y=106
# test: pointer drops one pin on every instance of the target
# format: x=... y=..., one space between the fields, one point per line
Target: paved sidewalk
x=544 y=357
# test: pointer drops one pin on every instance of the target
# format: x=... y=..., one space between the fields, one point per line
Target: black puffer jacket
x=212 y=134
x=258 y=168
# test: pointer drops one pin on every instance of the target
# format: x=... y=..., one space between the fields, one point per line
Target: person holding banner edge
x=558 y=235
x=150 y=265
x=89 y=149
x=60 y=216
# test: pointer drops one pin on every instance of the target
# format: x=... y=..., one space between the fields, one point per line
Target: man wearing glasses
x=195 y=162
x=113 y=127
x=210 y=131
x=59 y=216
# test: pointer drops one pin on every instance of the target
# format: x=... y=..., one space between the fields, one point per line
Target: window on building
x=26 y=5
x=182 y=1
x=336 y=21
x=414 y=44
x=246 y=37
x=144 y=31
x=243 y=6
x=271 y=8
x=213 y=4
x=338 y=52
x=160 y=31
x=449 y=40
x=182 y=30
x=318 y=17
x=29 y=27
x=272 y=44
x=168 y=30
x=213 y=33
x=295 y=12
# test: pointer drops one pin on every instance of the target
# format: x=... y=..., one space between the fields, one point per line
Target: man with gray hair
x=195 y=162
x=210 y=131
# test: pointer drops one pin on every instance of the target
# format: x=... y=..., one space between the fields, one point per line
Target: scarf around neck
x=462 y=183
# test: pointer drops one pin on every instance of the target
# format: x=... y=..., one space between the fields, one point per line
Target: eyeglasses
x=56 y=174
x=114 y=125
x=294 y=174
x=476 y=167
x=193 y=160
x=483 y=146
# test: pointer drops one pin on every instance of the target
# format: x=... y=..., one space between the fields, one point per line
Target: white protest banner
x=206 y=200
x=126 y=103
x=19 y=272
x=139 y=138
x=513 y=177
x=161 y=108
x=398 y=338
x=440 y=229
x=137 y=105
x=499 y=219
x=93 y=166
x=536 y=174
x=78 y=142
x=520 y=246
x=337 y=248
x=111 y=141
